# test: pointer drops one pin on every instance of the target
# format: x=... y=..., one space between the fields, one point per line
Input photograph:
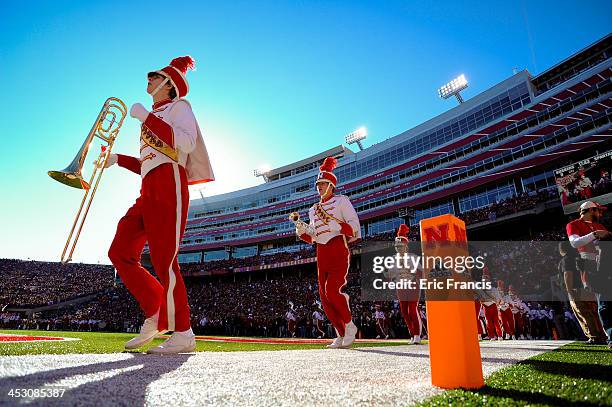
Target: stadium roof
x=307 y=163
x=599 y=47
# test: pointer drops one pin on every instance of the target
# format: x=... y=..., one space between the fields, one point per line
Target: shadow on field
x=577 y=370
x=425 y=355
x=527 y=397
x=102 y=383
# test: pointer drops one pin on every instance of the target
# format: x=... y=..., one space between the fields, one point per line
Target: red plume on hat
x=183 y=64
x=176 y=73
x=402 y=232
x=326 y=174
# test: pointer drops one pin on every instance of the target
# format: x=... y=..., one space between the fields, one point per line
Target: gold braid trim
x=156 y=143
x=324 y=215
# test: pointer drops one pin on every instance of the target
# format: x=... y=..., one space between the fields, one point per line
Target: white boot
x=337 y=343
x=416 y=339
x=179 y=342
x=349 y=334
x=148 y=332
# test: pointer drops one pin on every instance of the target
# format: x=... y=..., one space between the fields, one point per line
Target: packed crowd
x=257 y=260
x=508 y=206
x=37 y=283
x=259 y=308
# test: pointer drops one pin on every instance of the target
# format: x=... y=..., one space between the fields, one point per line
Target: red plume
x=329 y=164
x=403 y=231
x=183 y=64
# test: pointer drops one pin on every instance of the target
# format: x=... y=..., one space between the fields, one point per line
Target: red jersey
x=580 y=228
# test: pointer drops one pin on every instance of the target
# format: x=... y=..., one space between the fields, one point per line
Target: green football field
x=573 y=374
x=103 y=342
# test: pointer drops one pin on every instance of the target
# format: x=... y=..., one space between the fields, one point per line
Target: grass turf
x=575 y=374
x=103 y=342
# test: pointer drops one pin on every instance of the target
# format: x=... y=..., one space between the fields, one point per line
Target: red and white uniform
x=172 y=155
x=489 y=299
x=291 y=322
x=317 y=319
x=333 y=255
x=507 y=317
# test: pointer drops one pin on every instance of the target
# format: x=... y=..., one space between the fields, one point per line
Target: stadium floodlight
x=262 y=171
x=357 y=136
x=453 y=88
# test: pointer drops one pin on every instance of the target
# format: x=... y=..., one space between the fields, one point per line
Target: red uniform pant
x=518 y=324
x=493 y=327
x=507 y=320
x=333 y=259
x=158 y=217
x=291 y=326
x=411 y=316
x=478 y=323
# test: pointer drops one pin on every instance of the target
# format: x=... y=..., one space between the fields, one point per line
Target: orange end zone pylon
x=454 y=352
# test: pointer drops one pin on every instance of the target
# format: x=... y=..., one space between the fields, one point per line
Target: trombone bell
x=70 y=178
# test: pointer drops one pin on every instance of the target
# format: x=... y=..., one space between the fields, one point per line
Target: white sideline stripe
x=570 y=90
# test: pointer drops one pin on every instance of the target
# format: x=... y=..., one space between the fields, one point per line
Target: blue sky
x=275 y=82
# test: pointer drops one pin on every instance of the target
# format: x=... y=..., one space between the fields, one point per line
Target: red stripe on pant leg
x=160 y=220
x=493 y=327
x=325 y=303
x=415 y=319
x=181 y=303
x=333 y=258
x=479 y=325
x=125 y=252
x=508 y=321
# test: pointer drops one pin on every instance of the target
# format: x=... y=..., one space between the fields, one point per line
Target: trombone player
x=172 y=156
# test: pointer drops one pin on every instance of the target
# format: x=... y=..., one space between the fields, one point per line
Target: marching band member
x=516 y=306
x=317 y=322
x=333 y=225
x=505 y=311
x=381 y=322
x=291 y=320
x=409 y=299
x=489 y=300
x=172 y=156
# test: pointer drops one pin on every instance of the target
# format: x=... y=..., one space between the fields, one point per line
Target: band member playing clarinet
x=172 y=156
x=333 y=224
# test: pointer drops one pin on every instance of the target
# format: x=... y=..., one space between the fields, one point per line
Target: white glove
x=334 y=226
x=112 y=160
x=302 y=228
x=139 y=112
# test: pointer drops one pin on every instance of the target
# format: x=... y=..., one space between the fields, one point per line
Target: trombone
x=106 y=127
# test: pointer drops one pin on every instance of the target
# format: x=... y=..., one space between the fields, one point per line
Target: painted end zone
x=13 y=338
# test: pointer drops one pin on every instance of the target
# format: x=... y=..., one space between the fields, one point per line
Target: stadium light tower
x=262 y=171
x=357 y=136
x=454 y=88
